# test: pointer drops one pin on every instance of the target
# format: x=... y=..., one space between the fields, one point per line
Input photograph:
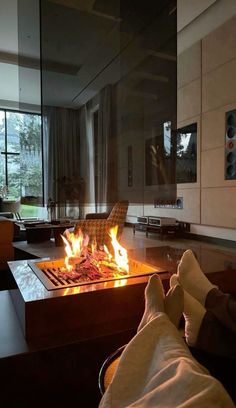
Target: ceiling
x=86 y=44
x=89 y=43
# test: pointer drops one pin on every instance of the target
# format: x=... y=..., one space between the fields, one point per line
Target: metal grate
x=47 y=272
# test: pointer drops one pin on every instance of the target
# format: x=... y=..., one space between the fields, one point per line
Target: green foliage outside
x=28 y=211
x=24 y=168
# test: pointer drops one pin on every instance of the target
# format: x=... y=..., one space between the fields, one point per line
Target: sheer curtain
x=62 y=176
x=71 y=173
x=106 y=180
x=87 y=159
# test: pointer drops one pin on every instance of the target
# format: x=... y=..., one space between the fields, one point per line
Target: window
x=21 y=157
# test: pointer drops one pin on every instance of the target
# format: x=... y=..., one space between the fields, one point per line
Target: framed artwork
x=159 y=159
x=186 y=154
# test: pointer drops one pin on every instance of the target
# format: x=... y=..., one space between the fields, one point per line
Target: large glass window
x=21 y=157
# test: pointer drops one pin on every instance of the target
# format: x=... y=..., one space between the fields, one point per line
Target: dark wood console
x=169 y=230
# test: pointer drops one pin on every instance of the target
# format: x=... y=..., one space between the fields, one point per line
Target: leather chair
x=6 y=239
x=99 y=228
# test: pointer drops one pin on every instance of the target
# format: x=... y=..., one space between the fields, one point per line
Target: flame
x=120 y=253
x=77 y=251
x=74 y=246
x=119 y=283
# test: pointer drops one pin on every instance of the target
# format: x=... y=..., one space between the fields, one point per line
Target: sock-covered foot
x=194 y=313
x=192 y=279
x=174 y=280
x=154 y=300
x=174 y=304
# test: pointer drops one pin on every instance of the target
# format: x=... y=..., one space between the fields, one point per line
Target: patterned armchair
x=99 y=228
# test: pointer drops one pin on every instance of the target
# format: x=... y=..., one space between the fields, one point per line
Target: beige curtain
x=61 y=129
x=106 y=180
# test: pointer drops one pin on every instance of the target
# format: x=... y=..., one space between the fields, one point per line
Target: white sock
x=194 y=313
x=191 y=277
x=174 y=304
x=174 y=280
x=154 y=300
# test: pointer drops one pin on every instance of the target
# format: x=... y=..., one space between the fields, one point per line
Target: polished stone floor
x=130 y=241
x=139 y=240
x=165 y=253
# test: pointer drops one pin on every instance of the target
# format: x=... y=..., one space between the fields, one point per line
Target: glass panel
x=29 y=131
x=121 y=57
x=29 y=55
x=2 y=150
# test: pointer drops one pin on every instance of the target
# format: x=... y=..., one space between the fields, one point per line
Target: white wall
x=206 y=90
x=198 y=18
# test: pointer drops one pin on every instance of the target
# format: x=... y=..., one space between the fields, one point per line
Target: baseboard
x=129 y=224
x=211 y=240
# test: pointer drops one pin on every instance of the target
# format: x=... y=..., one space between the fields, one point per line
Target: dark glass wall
x=108 y=87
x=29 y=55
x=29 y=122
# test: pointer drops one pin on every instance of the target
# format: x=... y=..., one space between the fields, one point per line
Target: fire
x=121 y=256
x=88 y=262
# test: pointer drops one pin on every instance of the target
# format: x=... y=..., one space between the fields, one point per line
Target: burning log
x=87 y=264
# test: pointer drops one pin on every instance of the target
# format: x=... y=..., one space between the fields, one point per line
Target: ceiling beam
x=34 y=63
x=162 y=55
x=152 y=77
x=142 y=94
x=85 y=6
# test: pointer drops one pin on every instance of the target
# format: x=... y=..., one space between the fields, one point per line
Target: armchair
x=99 y=228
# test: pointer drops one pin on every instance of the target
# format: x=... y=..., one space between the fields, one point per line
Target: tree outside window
x=21 y=154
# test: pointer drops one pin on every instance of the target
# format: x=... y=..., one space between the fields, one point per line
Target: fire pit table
x=75 y=311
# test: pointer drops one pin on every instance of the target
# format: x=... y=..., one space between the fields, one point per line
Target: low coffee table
x=45 y=231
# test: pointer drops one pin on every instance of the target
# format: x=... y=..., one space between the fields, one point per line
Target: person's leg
x=216 y=338
x=192 y=278
x=156 y=301
x=157 y=369
x=203 y=327
x=193 y=312
x=223 y=307
x=194 y=281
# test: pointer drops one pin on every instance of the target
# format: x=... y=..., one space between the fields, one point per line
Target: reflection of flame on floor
x=88 y=262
